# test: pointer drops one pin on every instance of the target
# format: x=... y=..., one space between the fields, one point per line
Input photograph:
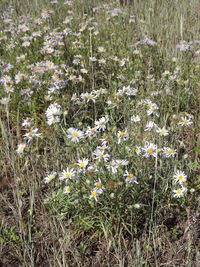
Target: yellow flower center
x=82 y=164
x=180 y=177
x=94 y=193
x=131 y=176
x=67 y=174
x=121 y=134
x=50 y=177
x=67 y=190
x=178 y=191
x=162 y=131
x=150 y=150
x=99 y=185
x=75 y=134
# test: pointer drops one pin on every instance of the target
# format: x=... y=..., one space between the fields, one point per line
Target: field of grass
x=99 y=133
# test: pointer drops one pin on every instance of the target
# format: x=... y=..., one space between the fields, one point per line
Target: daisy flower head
x=67 y=174
x=53 y=110
x=122 y=162
x=179 y=192
x=101 y=123
x=99 y=154
x=90 y=131
x=168 y=152
x=113 y=166
x=74 y=134
x=53 y=113
x=49 y=177
x=150 y=125
x=45 y=14
x=4 y=100
x=130 y=177
x=122 y=136
x=26 y=44
x=89 y=96
x=94 y=194
x=27 y=122
x=185 y=121
x=52 y=120
x=101 y=61
x=150 y=149
x=84 y=70
x=171 y=152
x=162 y=131
x=32 y=134
x=66 y=190
x=180 y=177
x=121 y=62
x=99 y=186
x=20 y=148
x=135 y=118
x=101 y=49
x=136 y=149
x=82 y=163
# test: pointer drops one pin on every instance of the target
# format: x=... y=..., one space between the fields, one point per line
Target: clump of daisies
x=31 y=134
x=53 y=113
x=180 y=179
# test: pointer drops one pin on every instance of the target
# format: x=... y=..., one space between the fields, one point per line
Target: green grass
x=130 y=224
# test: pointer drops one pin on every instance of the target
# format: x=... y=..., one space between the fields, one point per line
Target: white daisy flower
x=180 y=177
x=185 y=121
x=90 y=131
x=162 y=131
x=135 y=118
x=130 y=177
x=32 y=134
x=66 y=190
x=99 y=186
x=101 y=124
x=179 y=192
x=136 y=149
x=20 y=148
x=113 y=166
x=99 y=154
x=82 y=163
x=122 y=135
x=101 y=49
x=74 y=134
x=94 y=194
x=150 y=125
x=150 y=149
x=49 y=177
x=67 y=174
